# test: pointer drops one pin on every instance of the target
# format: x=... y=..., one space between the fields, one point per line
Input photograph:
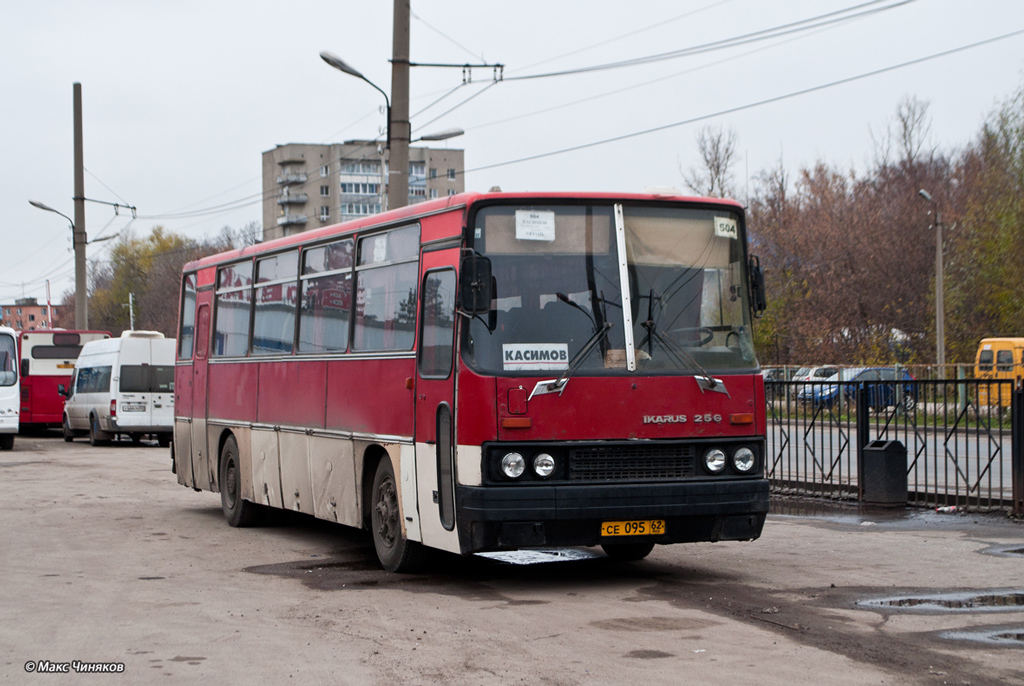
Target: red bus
x=47 y=361
x=484 y=372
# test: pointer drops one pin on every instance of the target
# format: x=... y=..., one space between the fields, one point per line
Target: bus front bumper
x=502 y=517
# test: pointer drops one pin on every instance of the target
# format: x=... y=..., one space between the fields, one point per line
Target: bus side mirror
x=61 y=391
x=758 y=298
x=24 y=367
x=475 y=292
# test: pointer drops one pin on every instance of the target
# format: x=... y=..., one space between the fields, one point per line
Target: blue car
x=826 y=394
x=895 y=393
x=899 y=391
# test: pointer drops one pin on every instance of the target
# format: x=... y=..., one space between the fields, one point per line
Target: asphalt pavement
x=108 y=564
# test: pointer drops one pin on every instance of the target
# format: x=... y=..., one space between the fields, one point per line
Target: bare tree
x=717 y=150
x=907 y=134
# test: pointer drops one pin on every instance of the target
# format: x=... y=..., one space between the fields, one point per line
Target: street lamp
x=78 y=245
x=940 y=327
x=341 y=65
x=398 y=183
x=440 y=135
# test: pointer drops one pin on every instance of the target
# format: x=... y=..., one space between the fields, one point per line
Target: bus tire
x=65 y=429
x=96 y=437
x=163 y=440
x=627 y=552
x=238 y=512
x=6 y=441
x=395 y=552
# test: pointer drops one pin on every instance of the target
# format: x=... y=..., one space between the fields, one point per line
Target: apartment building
x=26 y=314
x=306 y=186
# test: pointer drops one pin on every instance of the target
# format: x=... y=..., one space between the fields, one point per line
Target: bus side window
x=985 y=361
x=1004 y=361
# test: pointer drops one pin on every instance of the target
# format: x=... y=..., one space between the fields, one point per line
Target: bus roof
x=413 y=212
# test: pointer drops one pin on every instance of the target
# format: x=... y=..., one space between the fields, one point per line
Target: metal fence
x=964 y=439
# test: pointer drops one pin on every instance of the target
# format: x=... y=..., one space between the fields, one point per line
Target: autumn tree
x=150 y=269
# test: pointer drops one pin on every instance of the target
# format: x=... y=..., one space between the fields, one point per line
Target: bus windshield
x=558 y=280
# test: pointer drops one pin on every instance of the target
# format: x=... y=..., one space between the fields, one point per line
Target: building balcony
x=289 y=179
x=295 y=199
x=292 y=220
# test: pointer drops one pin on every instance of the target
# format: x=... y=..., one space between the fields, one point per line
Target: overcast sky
x=182 y=97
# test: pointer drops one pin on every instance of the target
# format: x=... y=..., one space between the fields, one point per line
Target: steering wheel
x=690 y=329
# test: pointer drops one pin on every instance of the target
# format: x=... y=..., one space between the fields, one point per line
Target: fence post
x=1017 y=449
x=863 y=436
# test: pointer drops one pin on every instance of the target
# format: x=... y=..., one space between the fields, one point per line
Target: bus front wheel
x=238 y=512
x=395 y=552
x=627 y=552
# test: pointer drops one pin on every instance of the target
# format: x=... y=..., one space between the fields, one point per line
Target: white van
x=122 y=386
x=10 y=391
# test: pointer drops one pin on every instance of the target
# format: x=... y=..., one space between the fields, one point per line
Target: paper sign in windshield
x=535 y=225
x=531 y=356
x=725 y=227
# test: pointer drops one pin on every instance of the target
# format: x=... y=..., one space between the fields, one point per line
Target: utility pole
x=398 y=172
x=78 y=230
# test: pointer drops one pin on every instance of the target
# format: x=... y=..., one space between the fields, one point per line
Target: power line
x=444 y=35
x=740 y=108
x=656 y=25
x=756 y=36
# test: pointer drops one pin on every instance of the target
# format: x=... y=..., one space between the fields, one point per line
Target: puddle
x=1010 y=637
x=987 y=601
x=540 y=556
x=1014 y=550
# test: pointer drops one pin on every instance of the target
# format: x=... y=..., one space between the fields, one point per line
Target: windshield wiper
x=704 y=379
x=558 y=385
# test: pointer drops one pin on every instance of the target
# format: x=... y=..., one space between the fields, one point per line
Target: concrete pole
x=398 y=173
x=78 y=232
x=940 y=325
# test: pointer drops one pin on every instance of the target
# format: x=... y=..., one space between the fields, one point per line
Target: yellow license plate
x=66 y=366
x=643 y=527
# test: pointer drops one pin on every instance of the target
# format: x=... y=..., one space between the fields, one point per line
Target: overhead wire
x=740 y=108
x=756 y=36
x=657 y=25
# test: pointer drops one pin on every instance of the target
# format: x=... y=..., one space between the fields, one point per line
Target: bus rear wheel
x=395 y=552
x=627 y=552
x=6 y=441
x=238 y=512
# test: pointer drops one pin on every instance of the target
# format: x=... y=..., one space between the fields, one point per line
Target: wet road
x=107 y=559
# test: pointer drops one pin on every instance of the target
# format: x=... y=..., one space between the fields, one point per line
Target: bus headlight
x=714 y=460
x=543 y=465
x=513 y=465
x=744 y=460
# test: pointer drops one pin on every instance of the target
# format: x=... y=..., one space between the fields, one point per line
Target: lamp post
x=78 y=242
x=940 y=328
x=397 y=146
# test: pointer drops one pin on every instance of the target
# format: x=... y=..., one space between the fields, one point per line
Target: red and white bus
x=47 y=361
x=484 y=372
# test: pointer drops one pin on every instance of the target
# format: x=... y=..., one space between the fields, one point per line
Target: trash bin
x=885 y=473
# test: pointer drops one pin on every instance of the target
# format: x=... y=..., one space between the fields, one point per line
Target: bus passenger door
x=200 y=456
x=435 y=401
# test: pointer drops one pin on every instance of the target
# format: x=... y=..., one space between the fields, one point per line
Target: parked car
x=826 y=393
x=895 y=393
x=880 y=395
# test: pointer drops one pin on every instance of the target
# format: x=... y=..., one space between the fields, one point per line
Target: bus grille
x=666 y=462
